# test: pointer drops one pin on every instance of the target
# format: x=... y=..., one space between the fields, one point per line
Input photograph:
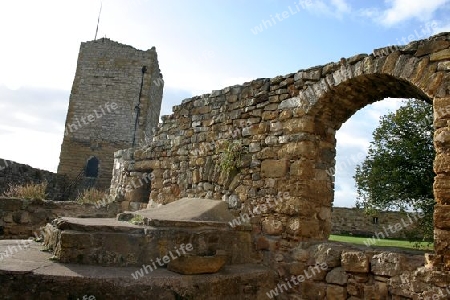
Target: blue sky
x=202 y=46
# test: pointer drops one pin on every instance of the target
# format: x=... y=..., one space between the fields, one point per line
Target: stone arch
x=414 y=72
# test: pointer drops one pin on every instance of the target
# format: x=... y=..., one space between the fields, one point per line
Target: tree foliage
x=397 y=173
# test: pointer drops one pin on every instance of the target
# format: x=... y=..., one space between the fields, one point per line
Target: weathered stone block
x=355 y=289
x=316 y=272
x=355 y=261
x=254 y=147
x=442 y=216
x=441 y=108
x=298 y=125
x=276 y=126
x=189 y=265
x=297 y=268
x=432 y=46
x=390 y=62
x=442 y=138
x=271 y=140
x=335 y=292
x=441 y=187
x=441 y=163
x=337 y=276
x=290 y=103
x=309 y=229
x=312 y=74
x=300 y=254
x=285 y=115
x=302 y=168
x=301 y=149
x=272 y=227
x=391 y=264
x=444 y=66
x=274 y=168
x=327 y=253
x=441 y=55
x=381 y=290
x=293 y=226
x=314 y=290
x=269 y=115
x=255 y=129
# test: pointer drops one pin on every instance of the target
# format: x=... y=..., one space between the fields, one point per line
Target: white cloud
x=36 y=148
x=370 y=12
x=346 y=138
x=41 y=44
x=336 y=8
x=381 y=108
x=345 y=194
x=341 y=6
x=26 y=118
x=403 y=10
x=441 y=28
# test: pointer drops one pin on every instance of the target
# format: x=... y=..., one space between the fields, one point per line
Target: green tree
x=397 y=173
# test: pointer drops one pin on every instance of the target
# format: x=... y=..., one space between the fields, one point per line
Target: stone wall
x=340 y=271
x=13 y=173
x=283 y=132
x=353 y=221
x=109 y=87
x=21 y=219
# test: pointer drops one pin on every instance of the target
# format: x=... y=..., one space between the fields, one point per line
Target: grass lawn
x=380 y=242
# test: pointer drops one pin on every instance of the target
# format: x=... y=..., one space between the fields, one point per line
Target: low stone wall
x=354 y=221
x=14 y=173
x=21 y=219
x=341 y=271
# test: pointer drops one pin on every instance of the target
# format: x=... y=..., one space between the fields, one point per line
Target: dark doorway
x=92 y=167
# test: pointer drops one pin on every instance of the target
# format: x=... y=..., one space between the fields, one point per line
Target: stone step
x=28 y=273
x=110 y=242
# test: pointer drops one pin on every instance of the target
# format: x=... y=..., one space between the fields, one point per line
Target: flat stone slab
x=190 y=209
x=98 y=225
x=53 y=280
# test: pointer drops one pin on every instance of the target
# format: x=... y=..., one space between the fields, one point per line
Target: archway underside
x=347 y=98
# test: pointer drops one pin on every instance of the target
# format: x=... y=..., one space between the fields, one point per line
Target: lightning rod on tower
x=98 y=20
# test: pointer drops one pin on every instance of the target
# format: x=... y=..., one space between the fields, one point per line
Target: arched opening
x=407 y=172
x=92 y=167
x=334 y=108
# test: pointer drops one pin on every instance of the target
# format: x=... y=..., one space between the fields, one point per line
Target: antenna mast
x=98 y=20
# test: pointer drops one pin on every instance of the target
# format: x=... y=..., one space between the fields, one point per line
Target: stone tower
x=114 y=104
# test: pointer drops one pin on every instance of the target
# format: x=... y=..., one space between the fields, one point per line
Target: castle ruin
x=252 y=163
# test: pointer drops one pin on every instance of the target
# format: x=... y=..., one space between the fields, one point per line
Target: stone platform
x=162 y=231
x=30 y=273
